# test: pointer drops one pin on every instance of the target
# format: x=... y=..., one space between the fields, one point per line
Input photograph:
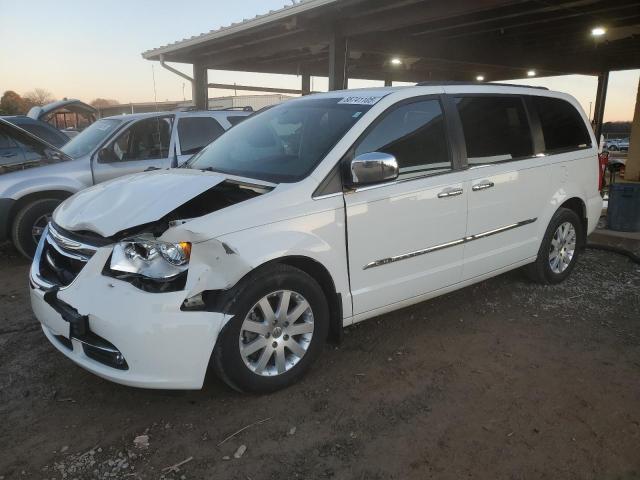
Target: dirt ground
x=503 y=379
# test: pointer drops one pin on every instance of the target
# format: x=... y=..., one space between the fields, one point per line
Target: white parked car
x=310 y=216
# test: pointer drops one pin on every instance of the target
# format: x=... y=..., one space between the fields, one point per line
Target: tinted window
x=144 y=140
x=415 y=134
x=495 y=128
x=44 y=133
x=6 y=142
x=562 y=125
x=197 y=132
x=236 y=119
x=283 y=143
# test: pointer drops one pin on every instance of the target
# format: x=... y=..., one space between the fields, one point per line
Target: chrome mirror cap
x=373 y=167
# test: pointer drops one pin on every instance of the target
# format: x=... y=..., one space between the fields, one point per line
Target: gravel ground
x=503 y=379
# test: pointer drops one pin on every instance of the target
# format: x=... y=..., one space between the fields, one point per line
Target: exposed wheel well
x=31 y=197
x=578 y=206
x=321 y=275
x=222 y=300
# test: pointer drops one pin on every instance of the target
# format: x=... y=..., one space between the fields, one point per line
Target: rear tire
x=559 y=250
x=29 y=222
x=284 y=341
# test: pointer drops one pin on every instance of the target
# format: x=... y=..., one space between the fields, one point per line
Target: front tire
x=29 y=224
x=280 y=323
x=559 y=250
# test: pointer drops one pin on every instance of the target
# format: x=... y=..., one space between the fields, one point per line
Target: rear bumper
x=594 y=211
x=162 y=346
x=6 y=204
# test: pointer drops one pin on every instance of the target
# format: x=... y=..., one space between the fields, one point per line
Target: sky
x=87 y=49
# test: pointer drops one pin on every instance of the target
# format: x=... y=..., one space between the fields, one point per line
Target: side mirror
x=373 y=167
x=106 y=155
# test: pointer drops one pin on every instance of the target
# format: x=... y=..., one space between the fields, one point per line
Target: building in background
x=256 y=102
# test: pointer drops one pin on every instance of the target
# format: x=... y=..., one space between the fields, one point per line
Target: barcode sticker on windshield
x=360 y=100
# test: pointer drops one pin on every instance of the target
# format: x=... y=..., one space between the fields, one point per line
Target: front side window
x=145 y=140
x=284 y=143
x=415 y=134
x=562 y=126
x=496 y=129
x=197 y=132
x=90 y=138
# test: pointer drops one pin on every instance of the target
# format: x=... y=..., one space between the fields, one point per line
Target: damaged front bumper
x=122 y=333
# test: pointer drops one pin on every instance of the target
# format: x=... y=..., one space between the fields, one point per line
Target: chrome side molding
x=434 y=248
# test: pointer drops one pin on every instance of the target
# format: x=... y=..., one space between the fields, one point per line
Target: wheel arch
x=32 y=197
x=221 y=300
x=577 y=205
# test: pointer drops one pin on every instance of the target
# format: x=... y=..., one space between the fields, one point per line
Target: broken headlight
x=151 y=258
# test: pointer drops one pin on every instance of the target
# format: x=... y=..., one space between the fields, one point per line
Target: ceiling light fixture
x=480 y=78
x=396 y=61
x=598 y=31
x=531 y=73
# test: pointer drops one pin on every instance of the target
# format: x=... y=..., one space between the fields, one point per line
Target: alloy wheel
x=276 y=333
x=562 y=248
x=39 y=226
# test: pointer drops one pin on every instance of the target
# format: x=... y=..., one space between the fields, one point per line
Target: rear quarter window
x=197 y=132
x=235 y=119
x=562 y=126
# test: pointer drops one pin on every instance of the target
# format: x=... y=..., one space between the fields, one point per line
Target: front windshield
x=87 y=140
x=282 y=144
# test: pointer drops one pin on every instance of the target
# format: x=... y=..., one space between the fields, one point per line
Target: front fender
x=29 y=186
x=218 y=264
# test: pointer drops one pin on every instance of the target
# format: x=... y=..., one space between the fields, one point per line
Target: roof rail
x=247 y=108
x=453 y=82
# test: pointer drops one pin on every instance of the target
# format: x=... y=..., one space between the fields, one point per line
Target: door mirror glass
x=373 y=167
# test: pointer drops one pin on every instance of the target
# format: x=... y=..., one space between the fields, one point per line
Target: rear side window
x=236 y=119
x=197 y=132
x=562 y=126
x=496 y=129
x=415 y=134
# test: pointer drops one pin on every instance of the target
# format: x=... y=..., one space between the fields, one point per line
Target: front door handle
x=482 y=186
x=453 y=192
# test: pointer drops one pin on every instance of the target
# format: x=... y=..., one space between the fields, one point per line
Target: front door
x=405 y=238
x=144 y=144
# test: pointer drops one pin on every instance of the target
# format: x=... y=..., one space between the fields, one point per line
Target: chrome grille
x=62 y=257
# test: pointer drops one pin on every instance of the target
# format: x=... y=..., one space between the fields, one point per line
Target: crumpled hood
x=132 y=200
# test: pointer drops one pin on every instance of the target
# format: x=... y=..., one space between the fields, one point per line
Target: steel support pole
x=632 y=168
x=338 y=55
x=199 y=87
x=601 y=99
x=306 y=84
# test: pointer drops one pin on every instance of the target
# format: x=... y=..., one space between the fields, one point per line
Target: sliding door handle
x=453 y=192
x=482 y=186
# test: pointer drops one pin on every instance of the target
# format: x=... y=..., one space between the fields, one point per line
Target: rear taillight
x=603 y=160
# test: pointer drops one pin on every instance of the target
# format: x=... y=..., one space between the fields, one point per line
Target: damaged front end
x=143 y=257
x=129 y=306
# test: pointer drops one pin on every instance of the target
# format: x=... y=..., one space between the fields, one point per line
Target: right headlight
x=151 y=258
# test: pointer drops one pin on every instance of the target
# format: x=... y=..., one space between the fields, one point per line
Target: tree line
x=12 y=103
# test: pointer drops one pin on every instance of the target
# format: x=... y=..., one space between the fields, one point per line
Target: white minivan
x=308 y=217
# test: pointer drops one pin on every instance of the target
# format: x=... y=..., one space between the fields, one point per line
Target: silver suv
x=109 y=148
